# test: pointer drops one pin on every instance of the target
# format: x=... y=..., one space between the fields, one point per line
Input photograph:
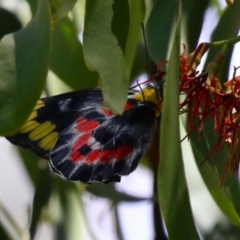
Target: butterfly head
x=150 y=91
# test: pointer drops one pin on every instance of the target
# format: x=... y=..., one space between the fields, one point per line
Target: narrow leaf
x=159 y=28
x=72 y=211
x=3 y=233
x=23 y=69
x=137 y=13
x=104 y=55
x=67 y=60
x=172 y=186
x=41 y=197
x=194 y=12
x=8 y=22
x=228 y=27
x=60 y=8
x=213 y=183
x=11 y=221
x=120 y=29
x=112 y=193
x=31 y=163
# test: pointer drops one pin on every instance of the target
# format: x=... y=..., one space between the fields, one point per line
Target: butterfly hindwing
x=103 y=147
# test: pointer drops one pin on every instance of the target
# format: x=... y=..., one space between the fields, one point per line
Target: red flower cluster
x=205 y=97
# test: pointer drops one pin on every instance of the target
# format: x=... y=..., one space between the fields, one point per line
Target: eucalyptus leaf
x=213 y=183
x=137 y=14
x=104 y=55
x=172 y=187
x=60 y=8
x=112 y=193
x=227 y=27
x=8 y=22
x=23 y=69
x=72 y=211
x=67 y=60
x=159 y=29
x=41 y=198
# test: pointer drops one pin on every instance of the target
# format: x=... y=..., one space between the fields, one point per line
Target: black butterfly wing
x=51 y=116
x=103 y=148
x=85 y=142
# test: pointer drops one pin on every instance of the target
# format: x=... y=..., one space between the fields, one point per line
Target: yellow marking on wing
x=28 y=126
x=32 y=115
x=39 y=104
x=48 y=142
x=42 y=130
x=147 y=94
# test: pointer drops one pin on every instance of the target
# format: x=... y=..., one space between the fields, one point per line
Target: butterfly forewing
x=53 y=115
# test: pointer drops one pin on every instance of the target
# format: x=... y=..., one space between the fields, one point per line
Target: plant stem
x=230 y=41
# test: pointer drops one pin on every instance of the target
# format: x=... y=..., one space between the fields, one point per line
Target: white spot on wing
x=93 y=143
x=63 y=105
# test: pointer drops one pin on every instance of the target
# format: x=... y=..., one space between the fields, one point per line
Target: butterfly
x=83 y=140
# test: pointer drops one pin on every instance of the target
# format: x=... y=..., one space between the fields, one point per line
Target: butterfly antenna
x=146 y=51
x=139 y=85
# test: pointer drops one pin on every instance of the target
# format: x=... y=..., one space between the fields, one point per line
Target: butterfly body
x=86 y=142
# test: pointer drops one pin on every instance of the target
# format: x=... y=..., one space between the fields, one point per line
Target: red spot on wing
x=122 y=152
x=108 y=155
x=97 y=155
x=93 y=156
x=106 y=112
x=81 y=141
x=128 y=106
x=84 y=125
x=76 y=157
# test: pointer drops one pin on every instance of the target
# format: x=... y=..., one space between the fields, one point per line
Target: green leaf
x=159 y=28
x=234 y=193
x=31 y=163
x=227 y=27
x=139 y=64
x=33 y=5
x=72 y=211
x=112 y=193
x=60 y=8
x=213 y=169
x=172 y=187
x=212 y=181
x=67 y=60
x=8 y=22
x=193 y=12
x=120 y=28
x=127 y=33
x=13 y=223
x=41 y=197
x=137 y=13
x=23 y=69
x=3 y=233
x=104 y=55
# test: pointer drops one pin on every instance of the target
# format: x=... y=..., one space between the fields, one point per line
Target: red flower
x=204 y=97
